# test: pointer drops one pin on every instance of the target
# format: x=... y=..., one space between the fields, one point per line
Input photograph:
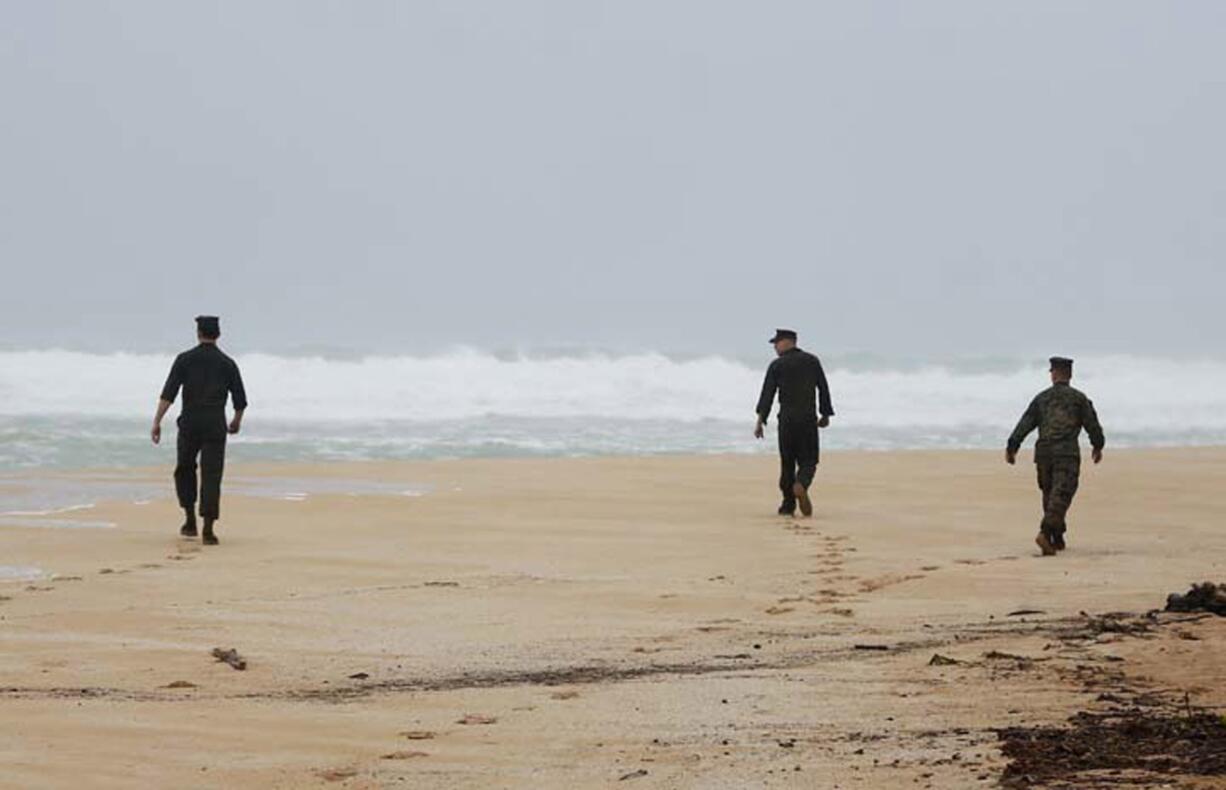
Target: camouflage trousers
x=1058 y=480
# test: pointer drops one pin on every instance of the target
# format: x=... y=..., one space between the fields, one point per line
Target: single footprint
x=872 y=585
x=419 y=735
x=476 y=719
x=779 y=610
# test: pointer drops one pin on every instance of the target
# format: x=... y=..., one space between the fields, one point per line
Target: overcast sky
x=897 y=178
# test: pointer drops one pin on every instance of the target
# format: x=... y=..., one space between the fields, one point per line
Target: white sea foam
x=1142 y=392
x=13 y=520
x=66 y=409
x=20 y=573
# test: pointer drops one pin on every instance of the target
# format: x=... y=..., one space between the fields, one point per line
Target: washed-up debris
x=996 y=655
x=1116 y=623
x=441 y=584
x=872 y=647
x=359 y=676
x=790 y=743
x=1204 y=597
x=639 y=774
x=402 y=755
x=180 y=684
x=230 y=657
x=1145 y=743
x=1024 y=612
x=418 y=735
x=939 y=660
x=475 y=719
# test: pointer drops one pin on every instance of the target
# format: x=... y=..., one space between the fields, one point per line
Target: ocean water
x=70 y=410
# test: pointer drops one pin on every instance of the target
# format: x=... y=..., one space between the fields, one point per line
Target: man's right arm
x=1089 y=419
x=825 y=408
x=238 y=396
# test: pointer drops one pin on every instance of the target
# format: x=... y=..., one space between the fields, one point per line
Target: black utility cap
x=1061 y=363
x=208 y=325
x=782 y=334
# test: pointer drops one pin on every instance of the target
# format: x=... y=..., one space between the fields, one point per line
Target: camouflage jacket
x=1059 y=412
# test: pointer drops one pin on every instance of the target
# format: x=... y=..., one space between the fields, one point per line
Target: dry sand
x=614 y=622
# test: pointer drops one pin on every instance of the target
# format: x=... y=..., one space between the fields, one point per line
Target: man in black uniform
x=796 y=375
x=207 y=376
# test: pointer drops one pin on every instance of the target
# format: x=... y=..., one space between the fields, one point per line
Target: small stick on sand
x=231 y=657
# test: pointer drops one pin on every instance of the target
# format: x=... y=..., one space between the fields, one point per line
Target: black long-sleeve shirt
x=801 y=383
x=207 y=377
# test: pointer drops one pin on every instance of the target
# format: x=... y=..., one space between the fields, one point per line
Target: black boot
x=209 y=539
x=802 y=496
x=188 y=530
x=788 y=508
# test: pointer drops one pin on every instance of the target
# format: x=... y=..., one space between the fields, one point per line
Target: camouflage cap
x=1061 y=363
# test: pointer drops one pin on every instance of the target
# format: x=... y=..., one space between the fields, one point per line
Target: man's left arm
x=170 y=391
x=1028 y=422
x=770 y=384
x=824 y=407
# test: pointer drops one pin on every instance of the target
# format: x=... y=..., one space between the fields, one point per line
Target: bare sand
x=643 y=622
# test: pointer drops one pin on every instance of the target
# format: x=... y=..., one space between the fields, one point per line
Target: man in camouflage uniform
x=1059 y=412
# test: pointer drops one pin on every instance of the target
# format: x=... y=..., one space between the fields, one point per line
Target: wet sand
x=607 y=622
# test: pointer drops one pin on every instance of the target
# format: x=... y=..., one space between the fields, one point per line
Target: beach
x=592 y=622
